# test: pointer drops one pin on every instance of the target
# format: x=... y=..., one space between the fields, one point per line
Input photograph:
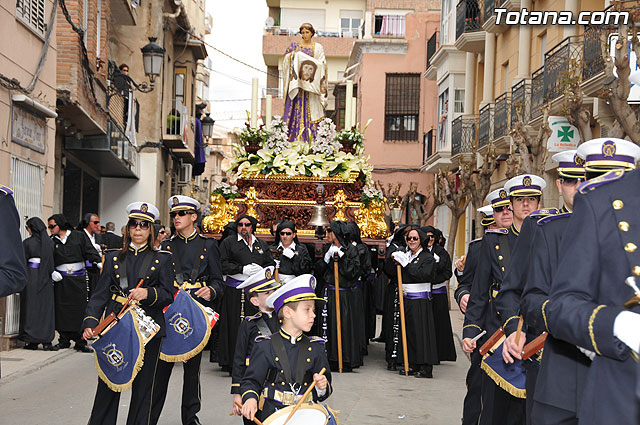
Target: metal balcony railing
x=432 y=47
x=327 y=32
x=488 y=9
x=520 y=102
x=501 y=119
x=537 y=92
x=467 y=17
x=389 y=26
x=177 y=118
x=122 y=147
x=485 y=125
x=556 y=66
x=592 y=60
x=463 y=135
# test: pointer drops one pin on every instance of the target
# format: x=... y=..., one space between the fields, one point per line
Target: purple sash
x=442 y=290
x=418 y=295
x=229 y=281
x=33 y=265
x=76 y=273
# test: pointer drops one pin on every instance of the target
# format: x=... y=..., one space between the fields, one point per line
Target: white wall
x=117 y=193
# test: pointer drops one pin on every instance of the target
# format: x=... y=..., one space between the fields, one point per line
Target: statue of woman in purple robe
x=305 y=86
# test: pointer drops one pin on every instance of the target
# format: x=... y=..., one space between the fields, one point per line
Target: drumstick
x=477 y=337
x=129 y=298
x=256 y=420
x=304 y=396
x=519 y=330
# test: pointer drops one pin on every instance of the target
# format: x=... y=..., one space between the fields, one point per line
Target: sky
x=237 y=30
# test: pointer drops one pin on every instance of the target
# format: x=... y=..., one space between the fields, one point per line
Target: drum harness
x=301 y=365
x=124 y=281
x=180 y=278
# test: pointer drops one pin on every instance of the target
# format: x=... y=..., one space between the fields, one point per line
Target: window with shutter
x=402 y=107
x=31 y=13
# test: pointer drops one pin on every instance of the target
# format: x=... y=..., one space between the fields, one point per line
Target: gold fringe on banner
x=503 y=383
x=186 y=356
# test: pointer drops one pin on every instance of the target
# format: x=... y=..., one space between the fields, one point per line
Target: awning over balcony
x=110 y=155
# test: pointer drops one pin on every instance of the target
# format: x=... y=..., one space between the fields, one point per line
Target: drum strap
x=150 y=255
x=263 y=327
x=196 y=263
x=504 y=250
x=278 y=346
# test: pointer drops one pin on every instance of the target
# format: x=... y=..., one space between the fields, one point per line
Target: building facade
x=27 y=121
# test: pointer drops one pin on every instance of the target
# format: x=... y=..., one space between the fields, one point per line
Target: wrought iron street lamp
x=207 y=126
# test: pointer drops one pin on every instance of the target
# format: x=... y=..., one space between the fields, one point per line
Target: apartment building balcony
x=433 y=48
x=502 y=122
x=489 y=16
x=109 y=155
x=178 y=134
x=537 y=93
x=336 y=43
x=485 y=125
x=437 y=151
x=592 y=59
x=469 y=33
x=557 y=63
x=464 y=132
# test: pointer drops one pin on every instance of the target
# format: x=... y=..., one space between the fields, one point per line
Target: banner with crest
x=188 y=326
x=120 y=353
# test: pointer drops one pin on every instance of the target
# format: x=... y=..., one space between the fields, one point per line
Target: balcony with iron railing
x=520 y=103
x=485 y=125
x=178 y=131
x=557 y=66
x=389 y=26
x=469 y=33
x=537 y=92
x=432 y=47
x=501 y=119
x=463 y=137
x=489 y=17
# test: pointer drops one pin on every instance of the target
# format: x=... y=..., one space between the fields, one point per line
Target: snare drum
x=307 y=414
x=147 y=326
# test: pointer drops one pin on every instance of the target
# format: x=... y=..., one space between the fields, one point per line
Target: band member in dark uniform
x=257 y=289
x=284 y=364
x=71 y=252
x=196 y=261
x=242 y=256
x=597 y=275
x=465 y=270
x=418 y=267
x=13 y=269
x=294 y=258
x=90 y=227
x=442 y=273
x=122 y=271
x=37 y=317
x=349 y=271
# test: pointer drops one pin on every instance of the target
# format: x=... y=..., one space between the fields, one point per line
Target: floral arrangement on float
x=225 y=190
x=371 y=194
x=331 y=154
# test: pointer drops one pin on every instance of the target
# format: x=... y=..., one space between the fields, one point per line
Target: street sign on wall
x=564 y=136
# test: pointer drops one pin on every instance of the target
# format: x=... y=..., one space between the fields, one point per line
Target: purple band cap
x=280 y=301
x=258 y=283
x=182 y=206
x=499 y=202
x=616 y=158
x=571 y=165
x=532 y=187
x=141 y=214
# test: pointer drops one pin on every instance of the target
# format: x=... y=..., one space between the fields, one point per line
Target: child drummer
x=257 y=289
x=283 y=365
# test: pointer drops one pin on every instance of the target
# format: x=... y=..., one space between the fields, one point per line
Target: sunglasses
x=430 y=236
x=96 y=222
x=286 y=233
x=244 y=224
x=162 y=232
x=500 y=209
x=569 y=181
x=181 y=213
x=52 y=226
x=135 y=223
x=413 y=238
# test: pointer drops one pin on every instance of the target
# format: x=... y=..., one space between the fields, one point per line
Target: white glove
x=401 y=257
x=56 y=276
x=340 y=252
x=436 y=256
x=327 y=256
x=251 y=269
x=288 y=252
x=625 y=328
x=99 y=266
x=277 y=263
x=587 y=353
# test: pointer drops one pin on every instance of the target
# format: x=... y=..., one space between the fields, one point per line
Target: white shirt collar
x=66 y=236
x=253 y=240
x=292 y=246
x=91 y=237
x=414 y=256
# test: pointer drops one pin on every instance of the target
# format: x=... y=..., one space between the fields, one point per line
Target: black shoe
x=392 y=366
x=411 y=371
x=378 y=339
x=61 y=345
x=31 y=346
x=83 y=348
x=49 y=347
x=424 y=374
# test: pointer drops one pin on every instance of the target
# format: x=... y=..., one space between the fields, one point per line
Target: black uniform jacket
x=250 y=328
x=465 y=279
x=492 y=262
x=563 y=368
x=348 y=266
x=196 y=262
x=13 y=267
x=112 y=289
x=442 y=271
x=508 y=300
x=235 y=254
x=77 y=248
x=599 y=251
x=266 y=368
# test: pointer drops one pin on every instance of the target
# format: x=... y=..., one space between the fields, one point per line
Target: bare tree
x=451 y=191
x=390 y=193
x=425 y=207
x=532 y=149
x=578 y=114
x=478 y=179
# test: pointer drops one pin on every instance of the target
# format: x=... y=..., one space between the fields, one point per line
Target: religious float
x=298 y=167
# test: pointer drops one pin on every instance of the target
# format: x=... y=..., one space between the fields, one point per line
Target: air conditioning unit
x=184 y=174
x=208 y=23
